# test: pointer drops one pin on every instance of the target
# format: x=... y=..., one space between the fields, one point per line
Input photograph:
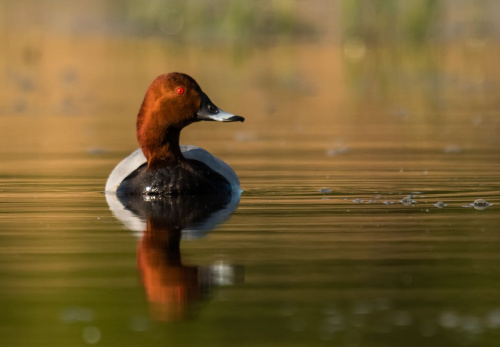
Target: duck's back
x=201 y=173
x=189 y=177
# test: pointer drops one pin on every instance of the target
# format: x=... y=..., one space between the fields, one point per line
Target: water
x=355 y=227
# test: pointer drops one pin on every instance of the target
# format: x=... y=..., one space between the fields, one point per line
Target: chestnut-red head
x=172 y=102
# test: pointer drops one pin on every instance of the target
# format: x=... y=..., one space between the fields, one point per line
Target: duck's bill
x=208 y=111
x=221 y=116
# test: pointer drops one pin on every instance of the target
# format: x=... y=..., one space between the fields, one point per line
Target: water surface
x=355 y=226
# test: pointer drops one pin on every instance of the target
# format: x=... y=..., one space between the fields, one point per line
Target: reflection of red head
x=171 y=288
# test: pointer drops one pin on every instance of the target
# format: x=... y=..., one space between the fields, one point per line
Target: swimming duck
x=162 y=167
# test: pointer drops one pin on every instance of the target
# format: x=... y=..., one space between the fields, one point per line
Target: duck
x=161 y=167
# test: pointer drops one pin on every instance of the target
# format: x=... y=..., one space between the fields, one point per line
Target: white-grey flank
x=137 y=158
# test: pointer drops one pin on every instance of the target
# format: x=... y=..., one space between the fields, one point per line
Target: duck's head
x=172 y=102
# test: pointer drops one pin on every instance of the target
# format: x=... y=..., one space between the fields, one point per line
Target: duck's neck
x=165 y=151
x=158 y=139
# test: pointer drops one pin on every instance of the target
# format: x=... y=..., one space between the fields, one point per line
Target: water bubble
x=361 y=308
x=139 y=324
x=76 y=314
x=408 y=200
x=336 y=151
x=325 y=190
x=440 y=204
x=222 y=274
x=91 y=335
x=383 y=304
x=335 y=320
x=388 y=202
x=453 y=149
x=402 y=318
x=357 y=201
x=448 y=319
x=480 y=204
x=471 y=324
x=493 y=320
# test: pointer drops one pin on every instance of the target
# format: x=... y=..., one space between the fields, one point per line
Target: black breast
x=190 y=177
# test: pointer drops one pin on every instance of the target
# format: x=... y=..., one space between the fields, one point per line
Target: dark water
x=357 y=224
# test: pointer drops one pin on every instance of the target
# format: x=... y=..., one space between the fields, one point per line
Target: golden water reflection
x=175 y=290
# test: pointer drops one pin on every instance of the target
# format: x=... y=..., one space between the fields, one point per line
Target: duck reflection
x=173 y=289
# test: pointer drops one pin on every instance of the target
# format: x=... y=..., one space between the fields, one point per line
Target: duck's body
x=161 y=167
x=130 y=175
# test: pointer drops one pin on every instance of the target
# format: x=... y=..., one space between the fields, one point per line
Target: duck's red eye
x=180 y=91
